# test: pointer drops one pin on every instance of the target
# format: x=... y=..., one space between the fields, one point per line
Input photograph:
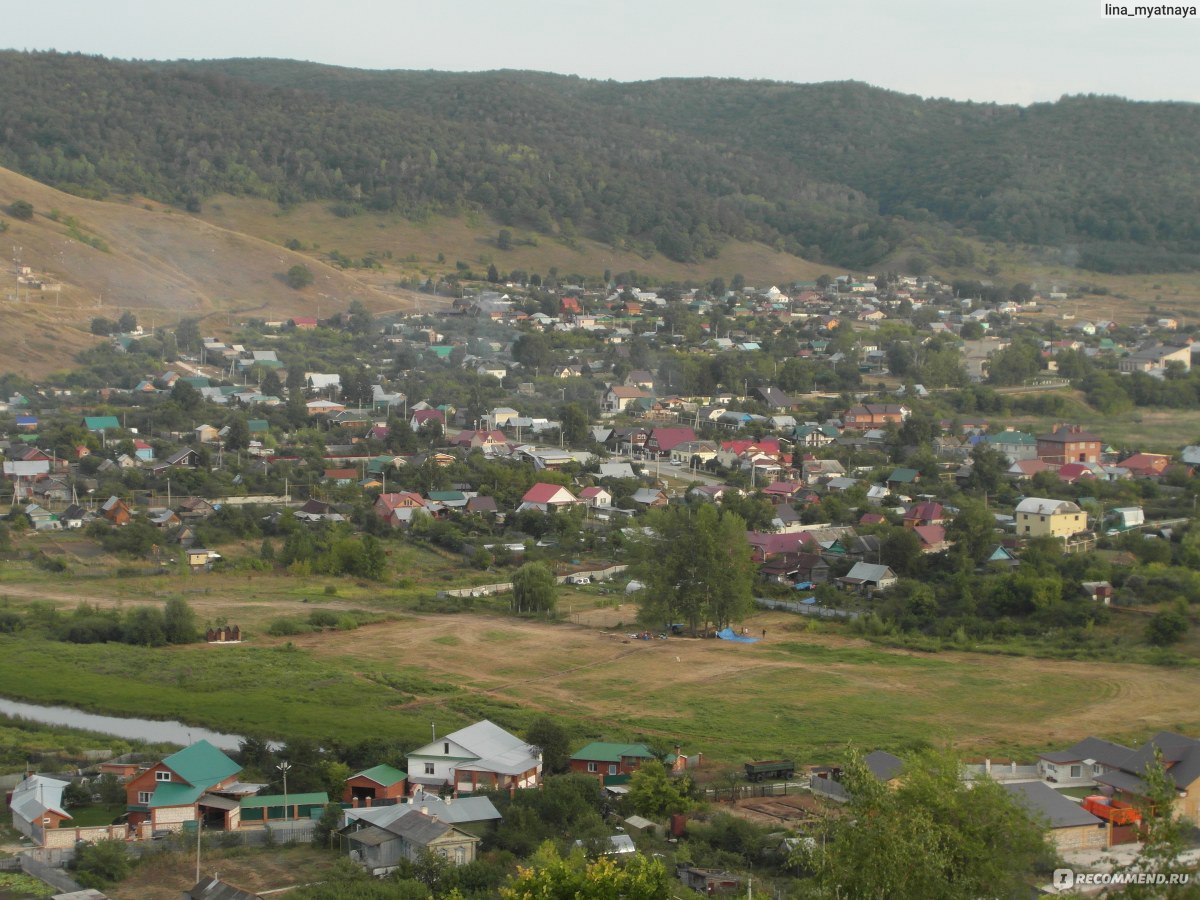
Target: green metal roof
x=446 y=496
x=257 y=426
x=384 y=775
x=172 y=793
x=201 y=764
x=904 y=475
x=98 y=423
x=267 y=800
x=1012 y=437
x=600 y=751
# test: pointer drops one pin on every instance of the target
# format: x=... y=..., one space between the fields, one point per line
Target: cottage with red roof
x=1146 y=465
x=663 y=440
x=927 y=513
x=933 y=538
x=547 y=498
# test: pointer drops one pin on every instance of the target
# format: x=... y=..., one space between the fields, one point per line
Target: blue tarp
x=727 y=634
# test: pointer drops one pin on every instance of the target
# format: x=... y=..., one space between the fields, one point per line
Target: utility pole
x=283 y=767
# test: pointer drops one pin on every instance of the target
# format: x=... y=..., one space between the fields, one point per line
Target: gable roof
x=1104 y=752
x=384 y=775
x=37 y=795
x=1049 y=805
x=1041 y=506
x=601 y=751
x=201 y=764
x=883 y=765
x=543 y=492
x=1181 y=756
x=485 y=738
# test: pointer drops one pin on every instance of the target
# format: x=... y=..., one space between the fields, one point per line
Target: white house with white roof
x=482 y=755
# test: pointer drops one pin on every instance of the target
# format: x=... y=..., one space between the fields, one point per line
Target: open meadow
x=801 y=692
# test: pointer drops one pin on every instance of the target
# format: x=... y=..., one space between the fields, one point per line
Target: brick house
x=1068 y=444
x=610 y=763
x=191 y=785
x=372 y=785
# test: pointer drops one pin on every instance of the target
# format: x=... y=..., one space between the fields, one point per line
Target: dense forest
x=839 y=172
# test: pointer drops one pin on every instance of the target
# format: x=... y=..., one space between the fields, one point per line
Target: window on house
x=460 y=855
x=428 y=768
x=446 y=748
x=46 y=820
x=445 y=854
x=162 y=776
x=592 y=767
x=144 y=797
x=1076 y=771
x=1027 y=529
x=1096 y=768
x=612 y=770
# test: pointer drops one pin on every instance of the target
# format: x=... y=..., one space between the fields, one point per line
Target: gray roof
x=418 y=828
x=1049 y=805
x=37 y=794
x=372 y=836
x=1091 y=748
x=456 y=812
x=883 y=765
x=1181 y=755
x=212 y=888
x=870 y=572
x=485 y=738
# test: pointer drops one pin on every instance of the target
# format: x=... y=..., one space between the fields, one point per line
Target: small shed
x=381 y=782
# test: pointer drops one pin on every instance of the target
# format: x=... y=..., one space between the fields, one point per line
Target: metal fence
x=744 y=791
x=55 y=877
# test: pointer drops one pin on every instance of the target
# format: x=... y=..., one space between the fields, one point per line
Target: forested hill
x=839 y=172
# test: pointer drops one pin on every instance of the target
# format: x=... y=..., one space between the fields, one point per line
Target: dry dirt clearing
x=790 y=690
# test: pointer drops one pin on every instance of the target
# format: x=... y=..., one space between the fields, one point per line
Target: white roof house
x=478 y=756
x=1041 y=506
x=33 y=800
x=463 y=810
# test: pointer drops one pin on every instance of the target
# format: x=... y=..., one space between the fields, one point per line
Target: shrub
x=102 y=863
x=286 y=627
x=322 y=618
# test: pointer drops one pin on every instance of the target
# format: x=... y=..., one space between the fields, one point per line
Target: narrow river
x=120 y=726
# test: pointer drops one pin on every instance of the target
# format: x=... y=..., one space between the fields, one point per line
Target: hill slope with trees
x=840 y=172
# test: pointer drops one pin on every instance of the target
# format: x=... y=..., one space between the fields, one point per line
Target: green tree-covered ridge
x=840 y=171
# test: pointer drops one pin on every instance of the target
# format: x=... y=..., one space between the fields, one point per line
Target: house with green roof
x=197 y=784
x=101 y=423
x=902 y=478
x=381 y=782
x=258 y=426
x=611 y=763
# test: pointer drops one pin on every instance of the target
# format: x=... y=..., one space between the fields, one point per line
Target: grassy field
x=1148 y=429
x=800 y=692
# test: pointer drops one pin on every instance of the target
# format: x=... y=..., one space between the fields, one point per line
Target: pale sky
x=987 y=50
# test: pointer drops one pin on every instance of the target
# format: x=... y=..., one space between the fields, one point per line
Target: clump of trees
x=147 y=626
x=932 y=835
x=299 y=276
x=534 y=589
x=696 y=567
